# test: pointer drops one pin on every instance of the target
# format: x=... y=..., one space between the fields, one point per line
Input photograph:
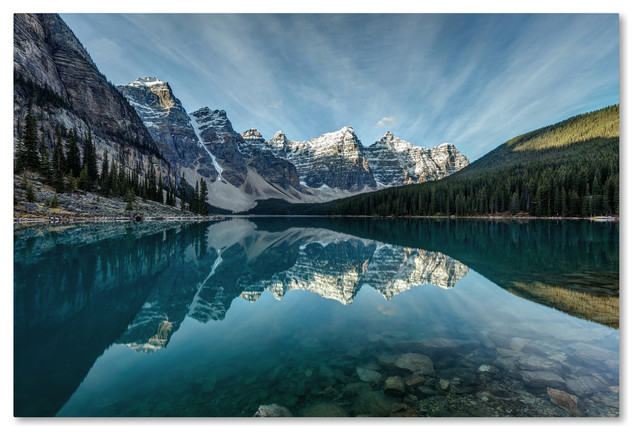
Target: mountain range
x=242 y=168
x=144 y=125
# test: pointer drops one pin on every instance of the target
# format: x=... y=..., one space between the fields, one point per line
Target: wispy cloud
x=386 y=122
x=474 y=80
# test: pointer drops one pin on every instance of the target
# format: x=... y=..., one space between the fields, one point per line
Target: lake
x=322 y=316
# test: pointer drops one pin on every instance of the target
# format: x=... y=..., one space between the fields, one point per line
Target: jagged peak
x=342 y=132
x=252 y=133
x=387 y=136
x=205 y=110
x=279 y=136
x=146 y=81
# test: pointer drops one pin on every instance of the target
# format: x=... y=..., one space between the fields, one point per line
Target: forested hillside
x=569 y=169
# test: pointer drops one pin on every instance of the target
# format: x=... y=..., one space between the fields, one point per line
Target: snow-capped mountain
x=397 y=162
x=240 y=169
x=334 y=160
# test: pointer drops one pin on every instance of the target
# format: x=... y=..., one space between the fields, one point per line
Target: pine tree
x=159 y=196
x=45 y=163
x=58 y=164
x=29 y=194
x=202 y=199
x=104 y=174
x=193 y=201
x=130 y=197
x=113 y=178
x=27 y=156
x=89 y=159
x=74 y=165
x=122 y=179
x=151 y=184
x=84 y=182
x=183 y=193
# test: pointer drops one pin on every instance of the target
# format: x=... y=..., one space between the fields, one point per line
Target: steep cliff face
x=47 y=55
x=204 y=145
x=221 y=142
x=397 y=162
x=334 y=160
x=275 y=170
x=166 y=120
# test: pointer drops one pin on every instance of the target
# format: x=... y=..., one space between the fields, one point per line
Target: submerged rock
x=585 y=385
x=417 y=363
x=394 y=386
x=568 y=402
x=272 y=410
x=325 y=410
x=542 y=379
x=356 y=388
x=535 y=363
x=367 y=375
x=426 y=391
x=414 y=381
x=374 y=404
x=442 y=385
x=518 y=343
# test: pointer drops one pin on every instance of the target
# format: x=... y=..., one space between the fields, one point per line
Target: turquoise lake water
x=324 y=317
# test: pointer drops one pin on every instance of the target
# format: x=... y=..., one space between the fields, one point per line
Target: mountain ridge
x=331 y=166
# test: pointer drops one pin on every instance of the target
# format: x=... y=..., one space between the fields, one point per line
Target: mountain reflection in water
x=80 y=290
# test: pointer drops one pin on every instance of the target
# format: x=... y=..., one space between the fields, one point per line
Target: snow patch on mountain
x=196 y=128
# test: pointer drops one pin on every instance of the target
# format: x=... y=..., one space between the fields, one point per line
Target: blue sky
x=472 y=80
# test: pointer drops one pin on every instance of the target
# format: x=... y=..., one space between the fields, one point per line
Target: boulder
x=394 y=386
x=542 y=379
x=367 y=375
x=416 y=363
x=585 y=385
x=568 y=402
x=536 y=363
x=272 y=410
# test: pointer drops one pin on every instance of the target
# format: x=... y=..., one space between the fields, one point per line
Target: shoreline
x=137 y=219
x=452 y=217
x=112 y=219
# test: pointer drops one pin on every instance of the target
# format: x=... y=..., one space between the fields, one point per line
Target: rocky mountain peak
x=147 y=81
x=279 y=141
x=252 y=134
x=216 y=119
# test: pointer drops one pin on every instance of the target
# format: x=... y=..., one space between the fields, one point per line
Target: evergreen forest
x=570 y=169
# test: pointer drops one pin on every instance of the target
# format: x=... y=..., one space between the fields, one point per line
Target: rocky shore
x=79 y=206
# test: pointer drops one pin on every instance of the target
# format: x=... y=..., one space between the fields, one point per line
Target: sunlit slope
x=570 y=169
x=563 y=140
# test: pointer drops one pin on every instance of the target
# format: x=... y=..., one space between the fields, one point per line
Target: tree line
x=73 y=164
x=577 y=176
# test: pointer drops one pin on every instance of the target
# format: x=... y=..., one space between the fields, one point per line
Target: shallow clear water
x=324 y=317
